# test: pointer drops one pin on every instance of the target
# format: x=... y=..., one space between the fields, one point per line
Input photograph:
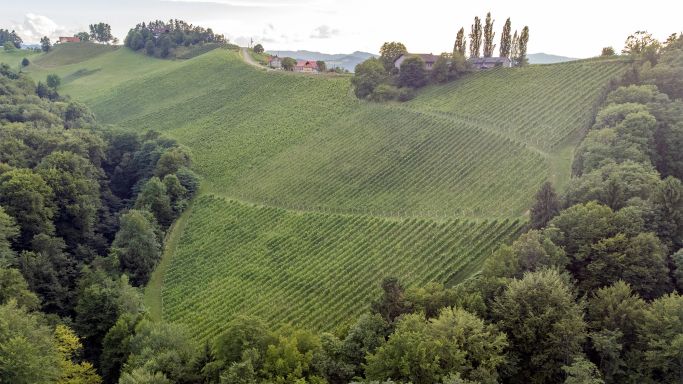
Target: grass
x=72 y=53
x=13 y=58
x=311 y=196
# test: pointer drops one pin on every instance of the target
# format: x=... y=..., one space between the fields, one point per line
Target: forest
x=589 y=293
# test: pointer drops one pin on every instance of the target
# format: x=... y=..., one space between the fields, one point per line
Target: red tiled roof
x=307 y=64
x=70 y=39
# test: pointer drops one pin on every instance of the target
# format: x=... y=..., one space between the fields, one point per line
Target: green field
x=310 y=196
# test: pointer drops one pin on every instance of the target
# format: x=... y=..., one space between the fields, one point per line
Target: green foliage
x=143 y=376
x=28 y=354
x=615 y=317
x=607 y=52
x=422 y=351
x=53 y=81
x=288 y=64
x=14 y=287
x=26 y=196
x=506 y=39
x=8 y=232
x=546 y=206
x=475 y=37
x=389 y=52
x=639 y=261
x=137 y=246
x=74 y=181
x=45 y=44
x=289 y=359
x=367 y=76
x=663 y=332
x=544 y=325
x=101 y=32
x=161 y=347
x=170 y=36
x=242 y=333
x=412 y=72
x=582 y=371
x=489 y=35
x=258 y=49
x=154 y=198
x=392 y=303
x=25 y=62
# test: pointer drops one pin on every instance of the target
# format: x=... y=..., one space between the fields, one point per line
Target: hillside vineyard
x=310 y=196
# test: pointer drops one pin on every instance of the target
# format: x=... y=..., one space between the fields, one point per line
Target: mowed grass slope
x=314 y=270
x=344 y=192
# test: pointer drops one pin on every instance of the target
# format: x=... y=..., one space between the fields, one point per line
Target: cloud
x=324 y=32
x=36 y=26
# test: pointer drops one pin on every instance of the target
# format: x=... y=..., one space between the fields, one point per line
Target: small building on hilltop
x=428 y=58
x=66 y=39
x=274 y=62
x=490 y=62
x=307 y=66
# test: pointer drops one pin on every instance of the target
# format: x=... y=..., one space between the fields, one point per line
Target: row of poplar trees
x=512 y=46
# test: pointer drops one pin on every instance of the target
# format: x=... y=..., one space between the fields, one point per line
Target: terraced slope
x=311 y=269
x=345 y=192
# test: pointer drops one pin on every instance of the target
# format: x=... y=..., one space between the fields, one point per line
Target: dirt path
x=250 y=60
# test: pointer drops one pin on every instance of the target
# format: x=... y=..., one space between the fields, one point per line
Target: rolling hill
x=310 y=196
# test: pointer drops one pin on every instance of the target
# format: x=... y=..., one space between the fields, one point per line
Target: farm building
x=428 y=58
x=308 y=66
x=65 y=39
x=274 y=62
x=490 y=62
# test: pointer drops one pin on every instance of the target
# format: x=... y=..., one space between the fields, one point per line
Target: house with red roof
x=307 y=66
x=66 y=39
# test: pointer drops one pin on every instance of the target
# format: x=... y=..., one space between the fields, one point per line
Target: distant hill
x=544 y=58
x=344 y=60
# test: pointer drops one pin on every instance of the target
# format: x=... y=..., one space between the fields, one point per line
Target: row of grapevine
x=311 y=269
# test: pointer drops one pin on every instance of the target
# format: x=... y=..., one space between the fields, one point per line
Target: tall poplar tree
x=460 y=43
x=505 y=39
x=489 y=35
x=514 y=49
x=475 y=37
x=523 y=40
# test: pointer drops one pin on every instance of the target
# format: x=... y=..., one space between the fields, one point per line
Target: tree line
x=159 y=38
x=83 y=212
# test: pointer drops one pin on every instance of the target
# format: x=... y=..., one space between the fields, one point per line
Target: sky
x=575 y=28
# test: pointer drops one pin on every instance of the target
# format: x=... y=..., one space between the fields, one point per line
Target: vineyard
x=310 y=269
x=540 y=105
x=310 y=197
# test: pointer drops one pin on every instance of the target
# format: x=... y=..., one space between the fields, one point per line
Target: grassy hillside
x=311 y=269
x=314 y=196
x=13 y=58
x=72 y=53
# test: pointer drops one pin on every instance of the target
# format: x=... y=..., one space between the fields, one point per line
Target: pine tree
x=475 y=38
x=546 y=207
x=514 y=49
x=460 y=43
x=489 y=35
x=505 y=39
x=523 y=40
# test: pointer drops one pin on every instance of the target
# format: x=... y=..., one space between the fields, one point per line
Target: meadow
x=310 y=197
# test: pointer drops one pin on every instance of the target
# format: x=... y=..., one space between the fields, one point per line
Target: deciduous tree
x=475 y=38
x=489 y=36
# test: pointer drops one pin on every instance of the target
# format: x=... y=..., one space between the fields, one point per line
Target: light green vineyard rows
x=314 y=270
x=540 y=105
x=392 y=161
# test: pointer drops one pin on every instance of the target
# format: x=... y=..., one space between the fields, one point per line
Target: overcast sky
x=576 y=28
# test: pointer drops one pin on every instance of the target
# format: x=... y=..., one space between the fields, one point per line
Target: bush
x=384 y=92
x=406 y=94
